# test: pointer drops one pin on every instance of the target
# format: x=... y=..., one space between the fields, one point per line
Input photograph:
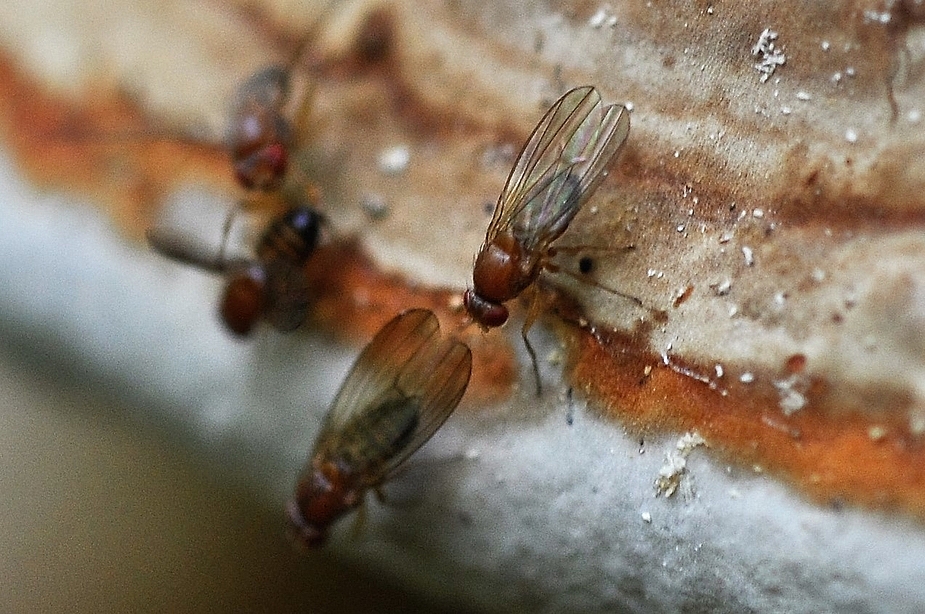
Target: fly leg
x=533 y=311
x=359 y=522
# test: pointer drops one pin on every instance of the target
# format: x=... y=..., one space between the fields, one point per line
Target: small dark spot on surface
x=796 y=363
x=488 y=207
x=570 y=408
x=812 y=178
x=837 y=318
x=682 y=296
x=585 y=264
x=837 y=504
x=376 y=37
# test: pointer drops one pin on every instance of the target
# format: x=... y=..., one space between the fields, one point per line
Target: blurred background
x=101 y=513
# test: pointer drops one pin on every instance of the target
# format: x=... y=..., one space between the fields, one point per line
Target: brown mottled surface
x=768 y=219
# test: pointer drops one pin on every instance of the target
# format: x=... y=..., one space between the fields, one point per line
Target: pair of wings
x=408 y=367
x=559 y=168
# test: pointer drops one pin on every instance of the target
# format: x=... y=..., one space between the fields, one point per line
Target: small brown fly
x=263 y=130
x=271 y=286
x=402 y=387
x=261 y=136
x=557 y=171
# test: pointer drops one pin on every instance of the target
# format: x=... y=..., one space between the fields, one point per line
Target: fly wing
x=437 y=378
x=406 y=369
x=378 y=366
x=288 y=295
x=560 y=166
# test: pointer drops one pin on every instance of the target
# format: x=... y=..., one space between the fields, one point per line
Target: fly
x=272 y=286
x=401 y=389
x=557 y=171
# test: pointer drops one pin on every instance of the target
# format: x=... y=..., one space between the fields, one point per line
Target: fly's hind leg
x=359 y=522
x=233 y=213
x=533 y=311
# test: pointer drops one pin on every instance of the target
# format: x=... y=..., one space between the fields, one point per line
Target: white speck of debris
x=785 y=110
x=733 y=311
x=826 y=45
x=629 y=105
x=647 y=517
x=722 y=288
x=758 y=213
x=689 y=441
x=593 y=210
x=876 y=433
x=780 y=298
x=768 y=54
x=680 y=228
x=791 y=391
x=801 y=95
x=603 y=17
x=455 y=302
x=849 y=72
x=749 y=255
x=747 y=378
x=670 y=474
x=851 y=135
x=718 y=369
x=709 y=10
x=394 y=160
x=914 y=116
x=917 y=422
x=818 y=275
x=726 y=236
x=677 y=153
x=836 y=77
x=881 y=17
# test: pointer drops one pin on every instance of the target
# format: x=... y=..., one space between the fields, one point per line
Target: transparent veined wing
x=401 y=388
x=559 y=167
x=438 y=378
x=288 y=294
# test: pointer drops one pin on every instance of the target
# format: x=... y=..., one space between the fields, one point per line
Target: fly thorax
x=498 y=272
